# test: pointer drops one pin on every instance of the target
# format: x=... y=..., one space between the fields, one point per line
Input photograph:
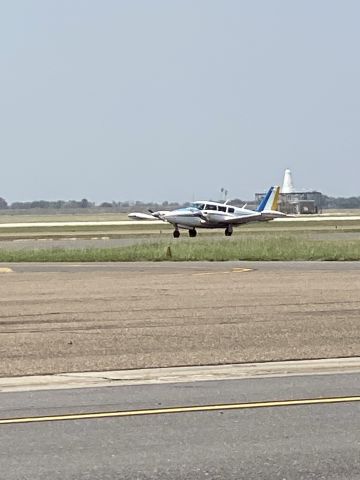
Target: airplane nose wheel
x=192 y=233
x=228 y=231
x=176 y=234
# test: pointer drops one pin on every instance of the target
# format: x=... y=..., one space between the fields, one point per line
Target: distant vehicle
x=206 y=214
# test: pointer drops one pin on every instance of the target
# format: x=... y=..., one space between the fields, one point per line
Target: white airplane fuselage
x=193 y=217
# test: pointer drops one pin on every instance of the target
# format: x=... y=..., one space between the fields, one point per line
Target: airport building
x=301 y=202
x=294 y=202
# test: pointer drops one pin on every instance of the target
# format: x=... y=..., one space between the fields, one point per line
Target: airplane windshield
x=199 y=206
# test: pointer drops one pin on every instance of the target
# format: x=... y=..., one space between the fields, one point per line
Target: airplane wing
x=160 y=215
x=143 y=216
x=224 y=219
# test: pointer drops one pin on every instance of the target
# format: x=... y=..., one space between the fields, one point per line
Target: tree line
x=84 y=204
x=340 y=202
x=327 y=203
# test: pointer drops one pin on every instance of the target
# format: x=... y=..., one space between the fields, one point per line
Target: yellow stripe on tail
x=275 y=204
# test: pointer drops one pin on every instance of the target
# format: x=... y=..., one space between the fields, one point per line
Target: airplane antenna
x=224 y=192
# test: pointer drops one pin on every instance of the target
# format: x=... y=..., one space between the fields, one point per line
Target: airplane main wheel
x=228 y=232
x=192 y=233
x=176 y=234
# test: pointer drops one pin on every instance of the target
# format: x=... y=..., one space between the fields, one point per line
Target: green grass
x=250 y=247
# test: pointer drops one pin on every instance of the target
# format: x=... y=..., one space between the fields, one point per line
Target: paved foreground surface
x=63 y=318
x=284 y=442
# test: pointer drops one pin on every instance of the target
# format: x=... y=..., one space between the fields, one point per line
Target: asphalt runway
x=68 y=318
x=284 y=438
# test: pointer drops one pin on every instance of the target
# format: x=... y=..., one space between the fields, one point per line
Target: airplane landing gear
x=176 y=233
x=192 y=233
x=228 y=231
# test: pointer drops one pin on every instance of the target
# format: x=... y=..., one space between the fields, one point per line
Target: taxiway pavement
x=288 y=440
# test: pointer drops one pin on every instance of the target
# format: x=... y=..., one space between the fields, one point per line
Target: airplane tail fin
x=275 y=203
x=270 y=201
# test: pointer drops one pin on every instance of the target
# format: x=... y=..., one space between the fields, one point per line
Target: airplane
x=207 y=214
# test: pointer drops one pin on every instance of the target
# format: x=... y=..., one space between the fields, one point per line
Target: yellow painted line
x=187 y=409
x=6 y=270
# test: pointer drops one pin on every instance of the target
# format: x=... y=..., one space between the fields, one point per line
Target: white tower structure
x=288 y=186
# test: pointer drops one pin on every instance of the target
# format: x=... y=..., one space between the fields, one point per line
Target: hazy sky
x=174 y=99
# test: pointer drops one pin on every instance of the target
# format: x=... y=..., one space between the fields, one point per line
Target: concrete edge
x=179 y=374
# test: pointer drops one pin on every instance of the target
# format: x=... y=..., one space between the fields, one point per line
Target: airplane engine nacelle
x=215 y=217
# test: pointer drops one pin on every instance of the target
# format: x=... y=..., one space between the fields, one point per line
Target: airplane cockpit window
x=231 y=210
x=221 y=209
x=199 y=206
x=210 y=207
